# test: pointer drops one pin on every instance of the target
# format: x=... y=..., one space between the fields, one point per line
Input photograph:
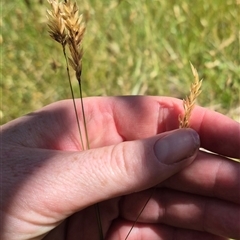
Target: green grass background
x=130 y=47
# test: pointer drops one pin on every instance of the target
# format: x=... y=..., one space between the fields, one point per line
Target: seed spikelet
x=189 y=102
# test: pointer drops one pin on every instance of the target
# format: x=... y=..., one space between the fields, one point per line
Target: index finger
x=111 y=120
x=152 y=115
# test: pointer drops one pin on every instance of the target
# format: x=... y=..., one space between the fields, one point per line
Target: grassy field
x=130 y=47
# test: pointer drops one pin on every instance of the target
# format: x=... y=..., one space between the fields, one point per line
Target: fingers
x=185 y=211
x=112 y=120
x=209 y=175
x=153 y=115
x=155 y=231
x=218 y=133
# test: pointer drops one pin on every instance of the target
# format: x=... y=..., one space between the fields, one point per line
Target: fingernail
x=177 y=146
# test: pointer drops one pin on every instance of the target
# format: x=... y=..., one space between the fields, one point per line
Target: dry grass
x=56 y=23
x=189 y=102
x=67 y=28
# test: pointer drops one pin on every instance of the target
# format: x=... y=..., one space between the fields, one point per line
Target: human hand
x=46 y=178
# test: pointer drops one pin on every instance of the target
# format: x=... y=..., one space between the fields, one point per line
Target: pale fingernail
x=177 y=146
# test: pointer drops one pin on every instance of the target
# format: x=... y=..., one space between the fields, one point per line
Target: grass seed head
x=67 y=27
x=57 y=29
x=189 y=102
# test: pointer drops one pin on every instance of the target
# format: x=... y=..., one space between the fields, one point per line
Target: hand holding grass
x=47 y=179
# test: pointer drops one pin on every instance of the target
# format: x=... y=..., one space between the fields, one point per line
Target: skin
x=50 y=186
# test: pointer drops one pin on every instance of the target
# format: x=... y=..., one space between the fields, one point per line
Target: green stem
x=97 y=209
x=73 y=98
x=83 y=113
x=138 y=216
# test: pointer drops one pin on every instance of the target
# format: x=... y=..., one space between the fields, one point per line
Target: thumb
x=98 y=174
x=137 y=165
x=71 y=181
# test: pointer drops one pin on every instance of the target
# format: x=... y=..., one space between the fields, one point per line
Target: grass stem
x=139 y=214
x=84 y=116
x=96 y=206
x=72 y=94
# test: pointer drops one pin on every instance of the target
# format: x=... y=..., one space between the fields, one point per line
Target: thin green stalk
x=66 y=27
x=83 y=113
x=97 y=209
x=139 y=214
x=73 y=98
x=75 y=110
